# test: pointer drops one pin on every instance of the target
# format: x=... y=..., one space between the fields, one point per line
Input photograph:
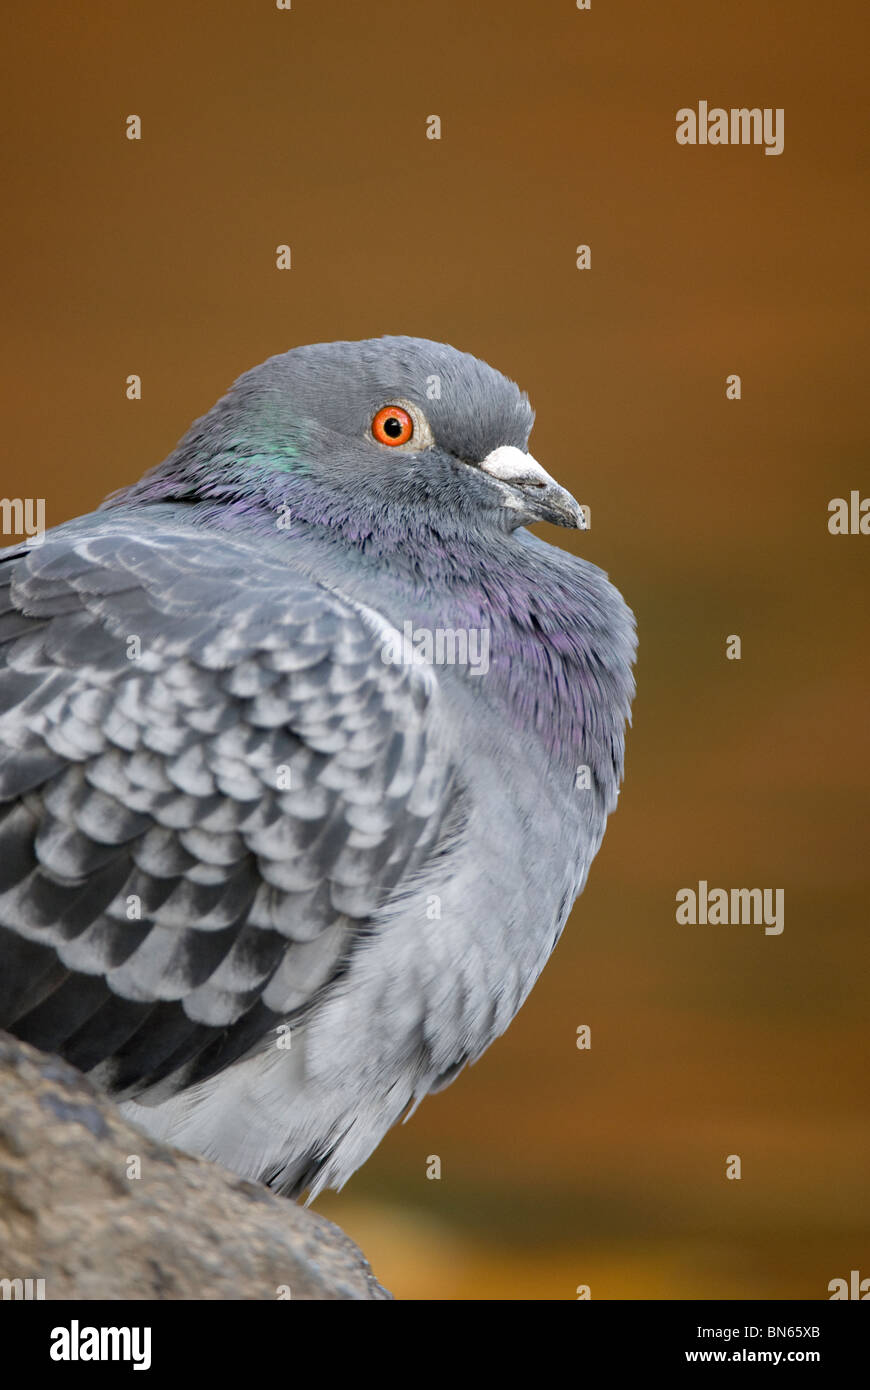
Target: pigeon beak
x=542 y=497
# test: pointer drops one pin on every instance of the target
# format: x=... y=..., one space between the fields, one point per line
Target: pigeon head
x=389 y=430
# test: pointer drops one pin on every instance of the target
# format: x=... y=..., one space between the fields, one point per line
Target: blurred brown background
x=157 y=257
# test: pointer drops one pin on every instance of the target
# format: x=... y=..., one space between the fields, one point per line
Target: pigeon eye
x=392 y=425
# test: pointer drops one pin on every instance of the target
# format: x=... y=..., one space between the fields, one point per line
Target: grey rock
x=185 y=1229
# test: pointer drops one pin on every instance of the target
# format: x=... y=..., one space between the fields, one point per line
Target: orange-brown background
x=308 y=127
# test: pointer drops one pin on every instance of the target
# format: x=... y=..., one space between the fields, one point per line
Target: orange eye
x=392 y=425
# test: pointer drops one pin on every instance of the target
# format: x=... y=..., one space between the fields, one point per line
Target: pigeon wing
x=209 y=781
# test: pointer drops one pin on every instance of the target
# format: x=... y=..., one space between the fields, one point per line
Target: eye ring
x=393 y=426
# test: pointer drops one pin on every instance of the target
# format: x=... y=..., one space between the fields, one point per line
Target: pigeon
x=306 y=746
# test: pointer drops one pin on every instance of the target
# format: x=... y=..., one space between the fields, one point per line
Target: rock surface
x=73 y=1214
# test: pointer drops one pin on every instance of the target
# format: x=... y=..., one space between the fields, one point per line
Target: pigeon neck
x=553 y=634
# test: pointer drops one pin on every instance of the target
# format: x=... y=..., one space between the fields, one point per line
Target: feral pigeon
x=306 y=746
